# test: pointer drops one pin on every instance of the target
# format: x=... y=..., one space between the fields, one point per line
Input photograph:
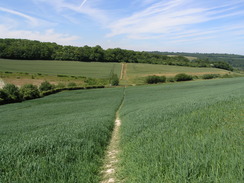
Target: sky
x=204 y=26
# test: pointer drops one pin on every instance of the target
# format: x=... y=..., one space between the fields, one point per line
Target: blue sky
x=205 y=26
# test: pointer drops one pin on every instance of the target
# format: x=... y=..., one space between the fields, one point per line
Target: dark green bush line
x=12 y=94
x=155 y=79
x=210 y=76
x=49 y=92
x=162 y=79
x=183 y=77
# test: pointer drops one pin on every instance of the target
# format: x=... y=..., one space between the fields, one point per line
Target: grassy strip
x=189 y=132
x=59 y=138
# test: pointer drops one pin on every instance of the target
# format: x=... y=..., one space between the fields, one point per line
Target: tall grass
x=187 y=132
x=59 y=138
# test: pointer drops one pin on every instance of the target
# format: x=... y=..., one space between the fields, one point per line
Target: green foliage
x=61 y=75
x=35 y=50
x=183 y=77
x=155 y=79
x=13 y=92
x=170 y=79
x=45 y=86
x=71 y=84
x=60 y=85
x=58 y=138
x=183 y=132
x=223 y=65
x=114 y=80
x=211 y=59
x=29 y=91
x=3 y=97
x=210 y=76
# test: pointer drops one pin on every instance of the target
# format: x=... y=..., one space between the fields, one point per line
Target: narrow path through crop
x=123 y=71
x=111 y=157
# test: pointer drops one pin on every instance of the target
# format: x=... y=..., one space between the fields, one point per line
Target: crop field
x=176 y=132
x=187 y=132
x=59 y=138
x=136 y=73
x=70 y=68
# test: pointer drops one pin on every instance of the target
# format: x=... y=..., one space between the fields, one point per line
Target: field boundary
x=109 y=169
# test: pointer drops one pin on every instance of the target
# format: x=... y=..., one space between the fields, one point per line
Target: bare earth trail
x=123 y=71
x=111 y=157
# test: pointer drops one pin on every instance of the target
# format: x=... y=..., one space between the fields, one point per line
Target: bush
x=171 y=79
x=72 y=84
x=29 y=91
x=155 y=79
x=45 y=86
x=90 y=81
x=114 y=80
x=3 y=97
x=210 y=76
x=183 y=77
x=227 y=76
x=60 y=85
x=13 y=92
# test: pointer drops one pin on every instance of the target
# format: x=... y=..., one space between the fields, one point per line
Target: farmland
x=187 y=132
x=175 y=132
x=59 y=138
x=136 y=73
x=20 y=72
x=70 y=68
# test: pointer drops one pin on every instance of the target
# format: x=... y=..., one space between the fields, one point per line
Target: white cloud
x=171 y=19
x=46 y=36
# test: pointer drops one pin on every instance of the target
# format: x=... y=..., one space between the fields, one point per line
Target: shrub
x=60 y=85
x=155 y=79
x=183 y=77
x=29 y=91
x=210 y=76
x=91 y=81
x=227 y=76
x=114 y=80
x=45 y=86
x=171 y=79
x=61 y=75
x=3 y=97
x=72 y=84
x=12 y=91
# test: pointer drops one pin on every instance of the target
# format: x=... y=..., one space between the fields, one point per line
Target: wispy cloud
x=84 y=8
x=171 y=19
x=31 y=19
x=82 y=4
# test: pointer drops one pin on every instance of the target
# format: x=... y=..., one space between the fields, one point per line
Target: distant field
x=71 y=68
x=132 y=73
x=188 y=57
x=136 y=72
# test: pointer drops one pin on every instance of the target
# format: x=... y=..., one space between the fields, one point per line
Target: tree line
x=36 y=50
x=234 y=60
